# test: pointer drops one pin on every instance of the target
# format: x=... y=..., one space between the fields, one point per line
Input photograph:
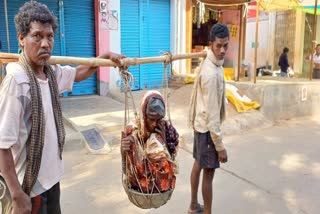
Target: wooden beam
x=225 y=2
x=188 y=33
x=6 y=61
x=256 y=44
x=240 y=44
x=314 y=34
x=95 y=62
x=243 y=42
x=216 y=7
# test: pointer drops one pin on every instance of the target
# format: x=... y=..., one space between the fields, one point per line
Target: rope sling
x=142 y=198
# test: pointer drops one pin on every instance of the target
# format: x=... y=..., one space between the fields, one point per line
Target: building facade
x=135 y=28
x=75 y=35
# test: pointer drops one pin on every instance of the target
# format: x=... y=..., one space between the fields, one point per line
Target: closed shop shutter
x=130 y=35
x=80 y=39
x=145 y=32
x=13 y=8
x=157 y=33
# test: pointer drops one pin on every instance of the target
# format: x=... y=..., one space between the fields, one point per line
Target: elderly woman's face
x=155 y=111
x=151 y=124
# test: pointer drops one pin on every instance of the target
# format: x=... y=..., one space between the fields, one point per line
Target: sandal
x=199 y=209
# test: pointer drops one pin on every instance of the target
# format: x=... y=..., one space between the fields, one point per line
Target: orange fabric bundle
x=154 y=170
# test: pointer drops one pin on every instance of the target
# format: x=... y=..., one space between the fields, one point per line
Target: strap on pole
x=127 y=80
x=168 y=60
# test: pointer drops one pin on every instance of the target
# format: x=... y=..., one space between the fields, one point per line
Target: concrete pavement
x=272 y=169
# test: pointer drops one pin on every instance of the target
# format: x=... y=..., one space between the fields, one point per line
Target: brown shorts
x=204 y=151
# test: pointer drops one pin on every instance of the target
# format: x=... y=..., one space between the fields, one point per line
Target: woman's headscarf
x=152 y=106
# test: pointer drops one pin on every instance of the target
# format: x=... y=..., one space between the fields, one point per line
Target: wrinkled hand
x=21 y=204
x=116 y=57
x=126 y=143
x=222 y=156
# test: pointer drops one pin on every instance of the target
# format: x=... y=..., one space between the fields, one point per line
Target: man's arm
x=21 y=202
x=213 y=120
x=84 y=72
x=11 y=115
x=213 y=112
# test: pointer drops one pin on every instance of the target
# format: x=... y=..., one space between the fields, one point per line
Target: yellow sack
x=189 y=79
x=241 y=103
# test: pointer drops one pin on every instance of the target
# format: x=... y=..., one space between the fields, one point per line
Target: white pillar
x=178 y=33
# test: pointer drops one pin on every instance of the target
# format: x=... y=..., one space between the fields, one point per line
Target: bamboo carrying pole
x=243 y=42
x=95 y=62
x=314 y=34
x=188 y=31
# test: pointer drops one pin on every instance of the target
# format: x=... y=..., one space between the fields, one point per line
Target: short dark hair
x=318 y=45
x=218 y=30
x=285 y=50
x=34 y=11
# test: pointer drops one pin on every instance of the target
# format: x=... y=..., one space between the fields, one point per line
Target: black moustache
x=44 y=52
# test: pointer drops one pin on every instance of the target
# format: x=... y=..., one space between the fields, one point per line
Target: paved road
x=270 y=171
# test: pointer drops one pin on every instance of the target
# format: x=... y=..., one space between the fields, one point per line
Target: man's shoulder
x=208 y=69
x=17 y=72
x=62 y=68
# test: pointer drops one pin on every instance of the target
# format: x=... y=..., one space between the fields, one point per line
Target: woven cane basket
x=148 y=201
